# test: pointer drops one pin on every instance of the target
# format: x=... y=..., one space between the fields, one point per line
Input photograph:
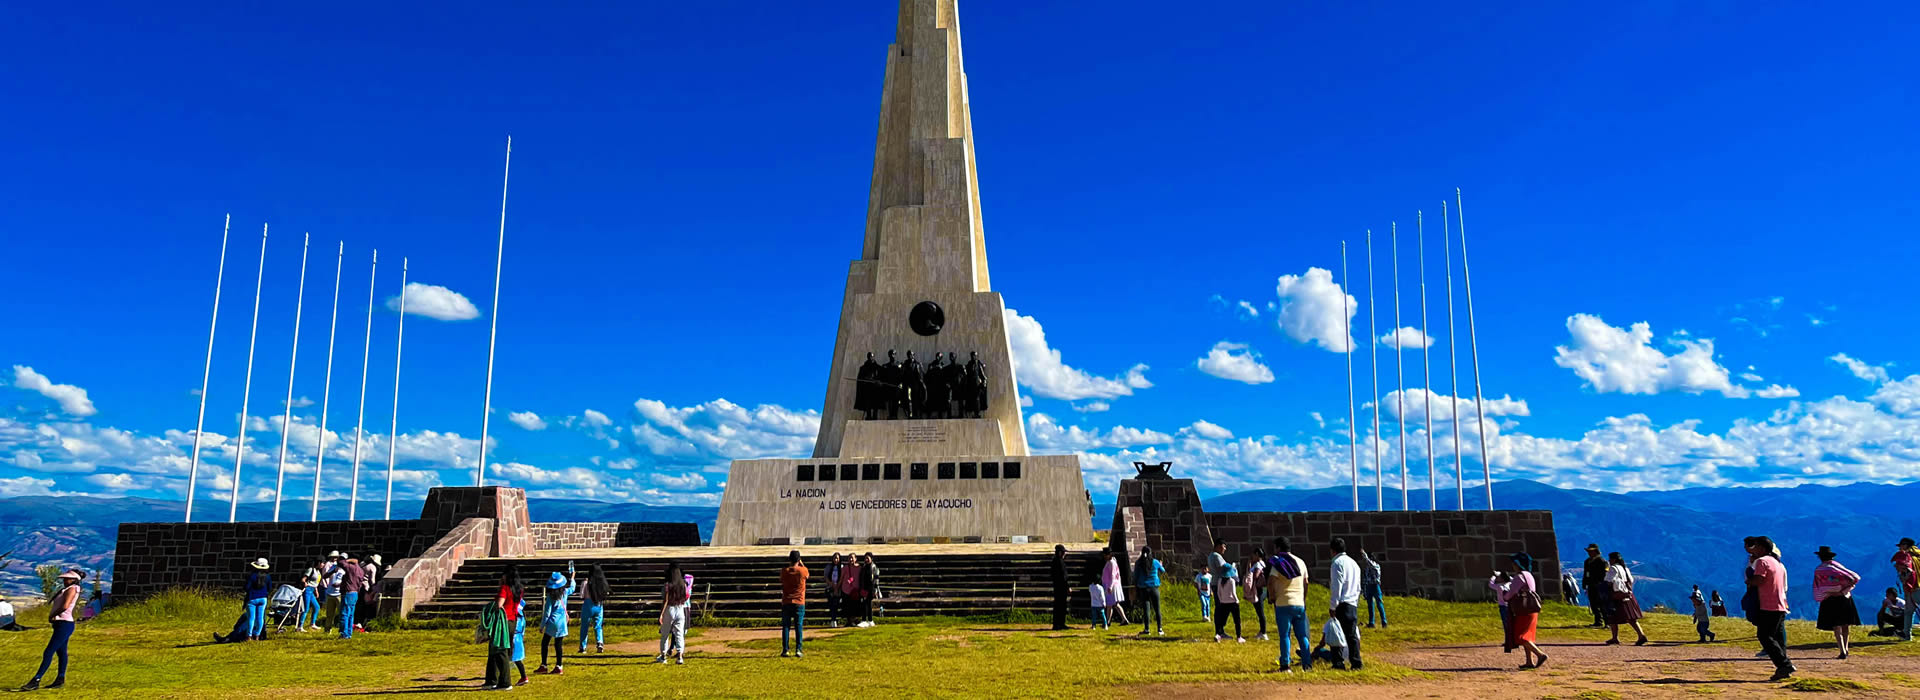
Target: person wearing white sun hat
x=331 y=575
x=60 y=617
x=259 y=586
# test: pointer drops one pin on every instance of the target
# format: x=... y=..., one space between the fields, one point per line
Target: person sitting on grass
x=1887 y=621
x=553 y=621
x=7 y=622
x=1332 y=647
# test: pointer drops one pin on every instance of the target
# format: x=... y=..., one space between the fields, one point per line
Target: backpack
x=1527 y=603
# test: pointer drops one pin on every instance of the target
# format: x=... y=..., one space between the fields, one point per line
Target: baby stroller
x=285 y=605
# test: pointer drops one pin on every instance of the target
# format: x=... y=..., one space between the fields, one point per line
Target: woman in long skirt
x=1626 y=608
x=1522 y=599
x=1833 y=588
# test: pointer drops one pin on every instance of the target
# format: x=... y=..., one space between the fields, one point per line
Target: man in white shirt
x=6 y=615
x=1344 y=596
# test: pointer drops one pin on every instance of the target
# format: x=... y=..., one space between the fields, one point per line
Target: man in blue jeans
x=352 y=583
x=1370 y=590
x=793 y=603
x=1287 y=588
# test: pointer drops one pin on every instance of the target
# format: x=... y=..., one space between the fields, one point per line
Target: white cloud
x=679 y=482
x=298 y=402
x=1618 y=360
x=1872 y=373
x=1208 y=430
x=719 y=431
x=1407 y=338
x=72 y=399
x=1039 y=367
x=1044 y=432
x=116 y=482
x=1775 y=391
x=1751 y=377
x=436 y=302
x=1026 y=401
x=527 y=420
x=1417 y=399
x=1311 y=310
x=25 y=486
x=1092 y=407
x=595 y=418
x=1235 y=361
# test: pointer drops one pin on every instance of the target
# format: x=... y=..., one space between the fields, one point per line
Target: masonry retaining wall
x=550 y=536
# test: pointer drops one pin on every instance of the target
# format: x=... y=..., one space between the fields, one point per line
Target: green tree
x=49 y=579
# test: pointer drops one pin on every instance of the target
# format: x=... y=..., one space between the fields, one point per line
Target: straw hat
x=335 y=554
x=376 y=559
x=260 y=563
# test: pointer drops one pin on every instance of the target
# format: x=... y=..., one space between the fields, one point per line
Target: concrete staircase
x=748 y=587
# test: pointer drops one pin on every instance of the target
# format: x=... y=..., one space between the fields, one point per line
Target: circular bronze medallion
x=927 y=318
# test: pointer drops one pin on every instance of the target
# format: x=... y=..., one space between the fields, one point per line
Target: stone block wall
x=1438 y=555
x=152 y=557
x=446 y=508
x=550 y=536
x=1172 y=520
x=415 y=580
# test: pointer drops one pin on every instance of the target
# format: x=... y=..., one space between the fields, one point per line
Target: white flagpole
x=1373 y=349
x=1480 y=413
x=246 y=392
x=326 y=390
x=1353 y=437
x=200 y=424
x=286 y=420
x=393 y=437
x=1400 y=366
x=359 y=434
x=486 y=410
x=1453 y=377
x=1426 y=350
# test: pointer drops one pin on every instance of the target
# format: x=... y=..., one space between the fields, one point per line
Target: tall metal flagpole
x=1453 y=377
x=1426 y=350
x=486 y=410
x=326 y=389
x=246 y=391
x=286 y=421
x=1373 y=349
x=1400 y=367
x=359 y=434
x=1353 y=437
x=393 y=437
x=1480 y=413
x=200 y=424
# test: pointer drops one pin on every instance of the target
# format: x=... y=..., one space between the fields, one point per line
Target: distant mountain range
x=1674 y=539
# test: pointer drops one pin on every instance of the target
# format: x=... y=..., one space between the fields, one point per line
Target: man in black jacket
x=1595 y=580
x=1060 y=587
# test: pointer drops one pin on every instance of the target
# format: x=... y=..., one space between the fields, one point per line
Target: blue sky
x=690 y=182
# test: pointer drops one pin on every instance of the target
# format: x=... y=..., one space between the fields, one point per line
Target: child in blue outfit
x=553 y=621
x=1204 y=582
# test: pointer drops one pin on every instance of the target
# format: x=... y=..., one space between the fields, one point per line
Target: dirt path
x=1589 y=671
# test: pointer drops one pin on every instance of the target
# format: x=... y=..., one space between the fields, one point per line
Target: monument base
x=921 y=439
x=863 y=500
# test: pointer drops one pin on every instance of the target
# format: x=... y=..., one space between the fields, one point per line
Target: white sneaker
x=1263 y=637
x=1163 y=633
x=681 y=660
x=1216 y=639
x=660 y=659
x=1242 y=640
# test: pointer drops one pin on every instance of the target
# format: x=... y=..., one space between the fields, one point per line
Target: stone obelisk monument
x=910 y=447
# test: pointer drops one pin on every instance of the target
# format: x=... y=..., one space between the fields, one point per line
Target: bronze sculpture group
x=905 y=390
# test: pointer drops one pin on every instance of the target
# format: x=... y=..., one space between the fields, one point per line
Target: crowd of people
x=1610 y=597
x=338 y=591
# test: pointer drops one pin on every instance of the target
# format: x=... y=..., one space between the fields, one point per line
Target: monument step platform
x=734 y=585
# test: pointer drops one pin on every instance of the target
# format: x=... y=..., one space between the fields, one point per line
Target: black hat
x=1906 y=542
x=1825 y=553
x=1593 y=547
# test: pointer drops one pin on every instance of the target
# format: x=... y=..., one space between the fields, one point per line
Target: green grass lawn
x=159 y=648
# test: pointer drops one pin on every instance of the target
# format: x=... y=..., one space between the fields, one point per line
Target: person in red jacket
x=793 y=603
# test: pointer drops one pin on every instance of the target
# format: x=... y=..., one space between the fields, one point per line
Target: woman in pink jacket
x=1833 y=590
